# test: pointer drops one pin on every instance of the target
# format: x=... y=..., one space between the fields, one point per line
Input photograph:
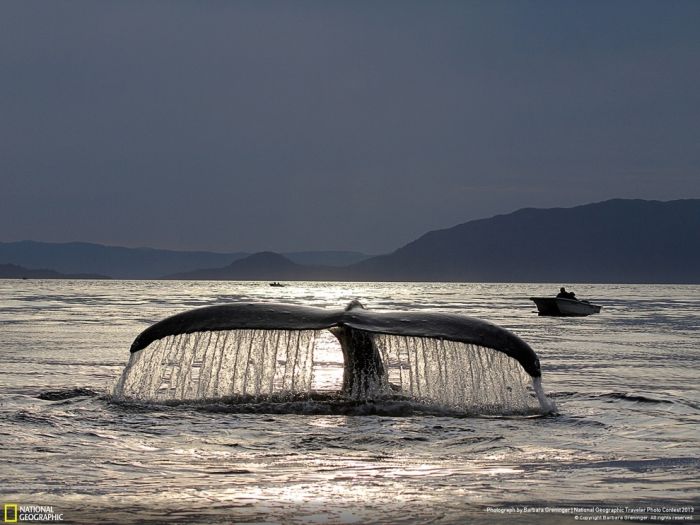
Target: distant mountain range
x=140 y=263
x=265 y=266
x=623 y=241
x=12 y=271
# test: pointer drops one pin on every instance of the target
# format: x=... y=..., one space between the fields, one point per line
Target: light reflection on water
x=625 y=382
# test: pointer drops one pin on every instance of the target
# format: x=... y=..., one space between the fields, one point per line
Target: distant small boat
x=559 y=306
x=276 y=284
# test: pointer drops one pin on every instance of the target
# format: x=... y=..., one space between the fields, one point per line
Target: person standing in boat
x=565 y=295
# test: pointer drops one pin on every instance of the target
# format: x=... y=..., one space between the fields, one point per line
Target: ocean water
x=623 y=446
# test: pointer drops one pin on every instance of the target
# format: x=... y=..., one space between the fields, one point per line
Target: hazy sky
x=293 y=125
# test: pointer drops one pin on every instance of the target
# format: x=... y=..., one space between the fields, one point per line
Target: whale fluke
x=374 y=343
x=277 y=316
x=239 y=316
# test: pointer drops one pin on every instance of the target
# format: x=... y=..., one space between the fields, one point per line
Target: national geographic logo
x=13 y=513
x=10 y=514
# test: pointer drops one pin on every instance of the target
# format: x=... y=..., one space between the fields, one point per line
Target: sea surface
x=624 y=445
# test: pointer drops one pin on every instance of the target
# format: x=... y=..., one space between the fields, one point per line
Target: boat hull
x=560 y=307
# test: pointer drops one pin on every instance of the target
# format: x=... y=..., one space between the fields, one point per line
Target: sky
x=352 y=125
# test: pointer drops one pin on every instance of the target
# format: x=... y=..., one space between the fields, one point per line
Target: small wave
x=32 y=418
x=691 y=404
x=626 y=396
x=646 y=465
x=609 y=397
x=67 y=393
x=562 y=395
x=581 y=422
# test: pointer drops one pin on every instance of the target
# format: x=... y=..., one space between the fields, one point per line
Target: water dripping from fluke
x=267 y=357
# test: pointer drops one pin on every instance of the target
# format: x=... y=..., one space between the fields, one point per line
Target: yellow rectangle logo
x=10 y=514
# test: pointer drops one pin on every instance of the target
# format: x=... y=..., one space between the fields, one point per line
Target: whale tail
x=262 y=349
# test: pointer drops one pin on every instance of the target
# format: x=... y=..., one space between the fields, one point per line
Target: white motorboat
x=559 y=306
